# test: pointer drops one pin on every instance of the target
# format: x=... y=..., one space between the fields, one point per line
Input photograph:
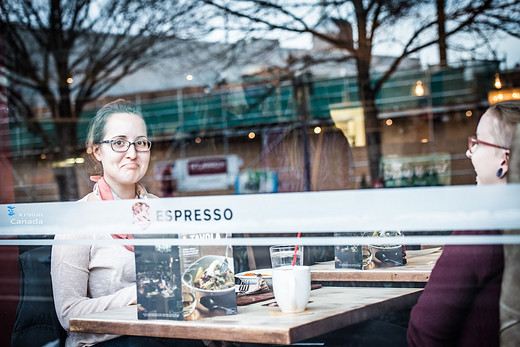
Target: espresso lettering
x=195 y=215
x=159 y=216
x=228 y=214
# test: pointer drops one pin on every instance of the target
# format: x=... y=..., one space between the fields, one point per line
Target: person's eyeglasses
x=122 y=145
x=473 y=142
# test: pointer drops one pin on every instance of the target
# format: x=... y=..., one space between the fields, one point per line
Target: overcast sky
x=508 y=49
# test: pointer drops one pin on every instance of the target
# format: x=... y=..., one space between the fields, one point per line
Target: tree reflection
x=62 y=55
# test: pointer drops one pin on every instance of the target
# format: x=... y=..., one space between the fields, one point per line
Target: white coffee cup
x=292 y=287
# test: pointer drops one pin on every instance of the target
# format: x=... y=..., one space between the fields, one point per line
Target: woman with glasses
x=460 y=303
x=89 y=278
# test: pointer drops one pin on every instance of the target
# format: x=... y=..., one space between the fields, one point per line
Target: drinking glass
x=284 y=255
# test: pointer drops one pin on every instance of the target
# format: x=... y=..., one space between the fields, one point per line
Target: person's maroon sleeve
x=459 y=296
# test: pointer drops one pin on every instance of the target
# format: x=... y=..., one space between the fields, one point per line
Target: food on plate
x=252 y=277
x=212 y=278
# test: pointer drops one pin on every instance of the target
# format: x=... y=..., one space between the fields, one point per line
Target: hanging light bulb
x=498 y=83
x=419 y=89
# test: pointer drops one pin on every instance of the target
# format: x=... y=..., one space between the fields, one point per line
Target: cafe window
x=249 y=142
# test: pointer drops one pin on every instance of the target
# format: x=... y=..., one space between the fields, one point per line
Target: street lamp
x=421 y=90
x=302 y=88
x=498 y=83
x=501 y=94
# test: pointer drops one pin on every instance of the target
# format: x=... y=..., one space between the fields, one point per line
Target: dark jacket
x=36 y=322
x=460 y=304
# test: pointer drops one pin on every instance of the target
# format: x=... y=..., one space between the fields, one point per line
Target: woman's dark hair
x=96 y=130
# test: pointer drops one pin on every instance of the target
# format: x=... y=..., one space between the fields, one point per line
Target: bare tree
x=408 y=26
x=68 y=53
x=441 y=29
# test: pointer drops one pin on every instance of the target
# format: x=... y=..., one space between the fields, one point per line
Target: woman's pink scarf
x=103 y=191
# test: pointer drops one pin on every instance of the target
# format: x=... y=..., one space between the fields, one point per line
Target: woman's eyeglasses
x=122 y=145
x=473 y=142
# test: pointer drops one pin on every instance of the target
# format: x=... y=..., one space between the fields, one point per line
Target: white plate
x=250 y=276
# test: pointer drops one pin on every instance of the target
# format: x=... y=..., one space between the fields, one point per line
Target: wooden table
x=418 y=268
x=330 y=308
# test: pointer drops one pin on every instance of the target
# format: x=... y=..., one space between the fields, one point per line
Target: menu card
x=366 y=257
x=158 y=281
x=187 y=282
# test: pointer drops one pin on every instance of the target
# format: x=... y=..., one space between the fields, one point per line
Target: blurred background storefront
x=261 y=123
